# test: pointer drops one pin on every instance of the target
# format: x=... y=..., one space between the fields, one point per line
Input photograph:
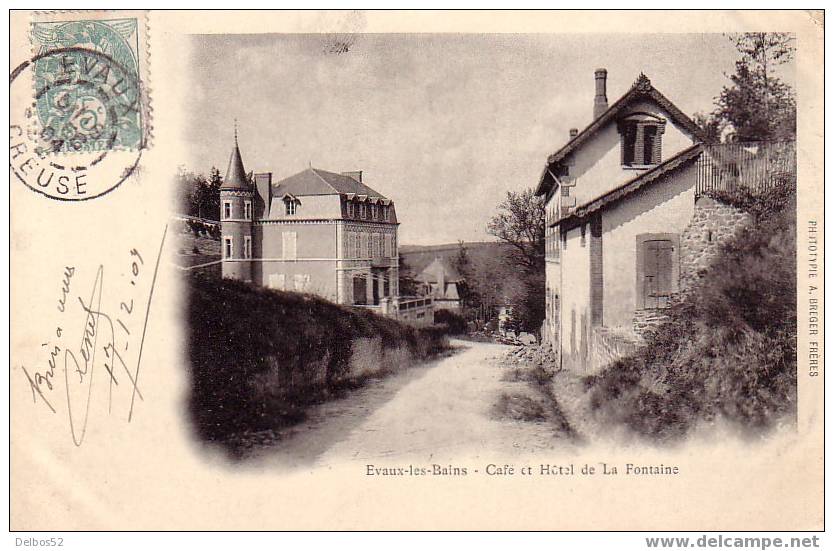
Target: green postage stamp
x=88 y=82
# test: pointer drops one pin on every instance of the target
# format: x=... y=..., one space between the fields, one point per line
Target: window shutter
x=289 y=245
x=657 y=274
x=277 y=281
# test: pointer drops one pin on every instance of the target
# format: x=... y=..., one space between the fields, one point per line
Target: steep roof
x=431 y=274
x=680 y=160
x=640 y=90
x=315 y=181
x=236 y=175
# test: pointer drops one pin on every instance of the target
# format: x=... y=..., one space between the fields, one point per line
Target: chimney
x=263 y=194
x=573 y=132
x=356 y=175
x=600 y=98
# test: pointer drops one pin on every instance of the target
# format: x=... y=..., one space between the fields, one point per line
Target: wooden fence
x=754 y=167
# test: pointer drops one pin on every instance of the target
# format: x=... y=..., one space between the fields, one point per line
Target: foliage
x=757 y=106
x=408 y=286
x=197 y=195
x=520 y=222
x=455 y=323
x=729 y=348
x=257 y=356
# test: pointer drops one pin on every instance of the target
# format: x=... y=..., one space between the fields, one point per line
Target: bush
x=729 y=347
x=257 y=355
x=455 y=323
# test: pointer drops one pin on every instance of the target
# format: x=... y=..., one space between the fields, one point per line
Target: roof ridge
x=649 y=175
x=320 y=177
x=642 y=86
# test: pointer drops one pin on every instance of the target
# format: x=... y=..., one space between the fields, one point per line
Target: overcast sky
x=443 y=124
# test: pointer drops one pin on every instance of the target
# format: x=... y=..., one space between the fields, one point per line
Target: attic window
x=290 y=205
x=640 y=139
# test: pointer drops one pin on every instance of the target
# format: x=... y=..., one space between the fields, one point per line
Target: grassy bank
x=258 y=357
x=729 y=349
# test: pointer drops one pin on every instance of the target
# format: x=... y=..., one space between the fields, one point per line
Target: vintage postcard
x=349 y=270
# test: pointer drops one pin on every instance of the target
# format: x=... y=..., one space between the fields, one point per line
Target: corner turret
x=236 y=213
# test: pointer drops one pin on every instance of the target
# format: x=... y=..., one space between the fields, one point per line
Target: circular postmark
x=80 y=124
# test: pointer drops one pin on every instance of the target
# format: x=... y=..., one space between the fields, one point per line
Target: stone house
x=316 y=231
x=625 y=228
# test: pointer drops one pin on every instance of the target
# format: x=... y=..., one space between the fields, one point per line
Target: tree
x=208 y=195
x=711 y=127
x=757 y=105
x=463 y=266
x=408 y=286
x=520 y=222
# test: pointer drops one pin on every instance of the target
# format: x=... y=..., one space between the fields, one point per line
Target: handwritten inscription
x=90 y=337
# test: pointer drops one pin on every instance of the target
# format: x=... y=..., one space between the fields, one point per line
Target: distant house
x=442 y=283
x=620 y=194
x=316 y=231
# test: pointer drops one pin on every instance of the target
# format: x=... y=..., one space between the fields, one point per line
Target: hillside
x=417 y=257
x=258 y=356
x=729 y=349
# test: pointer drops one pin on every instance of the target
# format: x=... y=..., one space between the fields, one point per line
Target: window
x=357 y=246
x=227 y=210
x=349 y=209
x=394 y=245
x=247 y=210
x=289 y=245
x=640 y=141
x=362 y=211
x=291 y=206
x=277 y=281
x=247 y=246
x=373 y=212
x=227 y=247
x=300 y=282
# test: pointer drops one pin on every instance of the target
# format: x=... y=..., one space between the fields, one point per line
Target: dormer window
x=290 y=205
x=640 y=139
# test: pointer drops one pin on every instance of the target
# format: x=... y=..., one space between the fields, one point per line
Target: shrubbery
x=257 y=356
x=729 y=349
x=455 y=323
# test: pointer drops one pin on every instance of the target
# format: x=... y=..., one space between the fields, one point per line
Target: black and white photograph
x=391 y=270
x=416 y=247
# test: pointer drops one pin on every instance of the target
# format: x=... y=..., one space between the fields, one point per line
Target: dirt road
x=438 y=412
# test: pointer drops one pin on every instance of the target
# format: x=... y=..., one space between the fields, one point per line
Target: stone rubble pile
x=534 y=354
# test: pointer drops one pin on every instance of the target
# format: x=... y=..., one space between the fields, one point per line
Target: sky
x=442 y=124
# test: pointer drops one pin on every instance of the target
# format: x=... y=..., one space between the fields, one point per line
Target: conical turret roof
x=236 y=174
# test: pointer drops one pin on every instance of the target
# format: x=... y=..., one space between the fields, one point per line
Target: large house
x=318 y=232
x=620 y=194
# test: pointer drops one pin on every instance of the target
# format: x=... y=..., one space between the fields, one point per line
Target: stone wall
x=712 y=224
x=607 y=346
x=645 y=320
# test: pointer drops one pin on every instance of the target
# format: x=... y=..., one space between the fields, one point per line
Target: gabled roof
x=236 y=175
x=640 y=90
x=680 y=160
x=431 y=273
x=315 y=181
